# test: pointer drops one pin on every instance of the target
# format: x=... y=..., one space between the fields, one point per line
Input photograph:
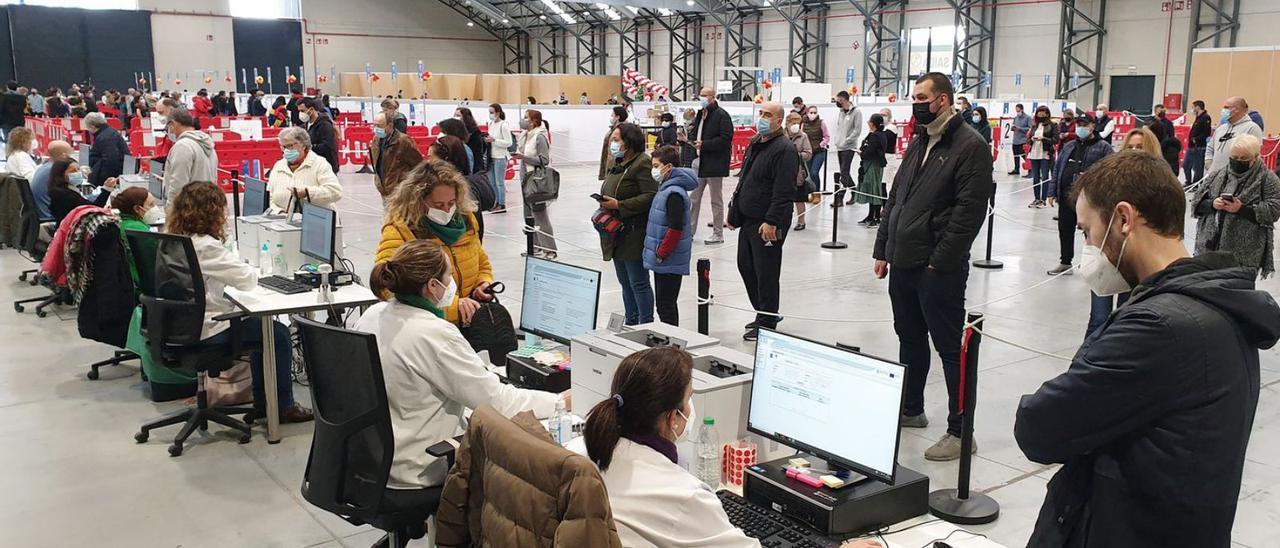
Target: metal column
x=742 y=41
x=1215 y=21
x=1077 y=34
x=684 y=36
x=883 y=57
x=975 y=53
x=807 y=39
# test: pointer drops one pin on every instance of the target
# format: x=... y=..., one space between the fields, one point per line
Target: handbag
x=232 y=386
x=608 y=224
x=541 y=186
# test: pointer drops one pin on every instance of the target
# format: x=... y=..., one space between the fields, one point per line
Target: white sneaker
x=714 y=239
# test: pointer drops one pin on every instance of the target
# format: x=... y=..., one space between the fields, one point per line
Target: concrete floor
x=79 y=479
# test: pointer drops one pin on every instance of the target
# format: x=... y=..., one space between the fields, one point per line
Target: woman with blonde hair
x=433 y=202
x=1143 y=139
x=18 y=153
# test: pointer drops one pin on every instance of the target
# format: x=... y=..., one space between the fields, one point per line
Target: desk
x=266 y=304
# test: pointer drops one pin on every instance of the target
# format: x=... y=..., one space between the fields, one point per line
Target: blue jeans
x=1040 y=177
x=1100 y=309
x=498 y=178
x=637 y=293
x=1193 y=164
x=815 y=166
x=251 y=334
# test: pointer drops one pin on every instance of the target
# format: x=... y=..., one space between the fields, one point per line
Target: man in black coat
x=295 y=95
x=13 y=107
x=256 y=108
x=1152 y=418
x=1197 y=142
x=324 y=137
x=761 y=207
x=106 y=156
x=937 y=204
x=712 y=136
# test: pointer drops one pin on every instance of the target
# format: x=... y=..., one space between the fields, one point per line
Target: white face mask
x=305 y=117
x=1103 y=277
x=440 y=216
x=450 y=291
x=689 y=423
x=153 y=216
x=794 y=128
x=657 y=174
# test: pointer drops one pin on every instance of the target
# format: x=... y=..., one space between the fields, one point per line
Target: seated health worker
x=65 y=180
x=200 y=212
x=301 y=174
x=432 y=375
x=433 y=202
x=632 y=437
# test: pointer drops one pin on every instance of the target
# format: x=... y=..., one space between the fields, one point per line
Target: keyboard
x=281 y=284
x=772 y=529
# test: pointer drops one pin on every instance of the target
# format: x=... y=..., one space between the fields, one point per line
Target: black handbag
x=491 y=329
x=541 y=186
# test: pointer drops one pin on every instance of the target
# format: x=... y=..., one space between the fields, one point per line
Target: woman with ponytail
x=632 y=437
x=431 y=373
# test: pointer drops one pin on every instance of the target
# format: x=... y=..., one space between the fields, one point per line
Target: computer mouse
x=940 y=544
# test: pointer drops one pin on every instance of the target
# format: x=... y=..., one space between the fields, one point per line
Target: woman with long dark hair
x=65 y=179
x=500 y=140
x=474 y=140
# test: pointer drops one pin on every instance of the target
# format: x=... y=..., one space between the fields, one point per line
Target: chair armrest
x=447 y=449
x=229 y=316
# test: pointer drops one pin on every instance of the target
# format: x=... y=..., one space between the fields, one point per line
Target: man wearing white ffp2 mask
x=1173 y=372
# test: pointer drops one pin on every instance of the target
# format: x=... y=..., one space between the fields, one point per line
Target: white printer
x=596 y=355
x=254 y=230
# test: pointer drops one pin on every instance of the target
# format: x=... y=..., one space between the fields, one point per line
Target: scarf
x=449 y=233
x=1250 y=239
x=418 y=301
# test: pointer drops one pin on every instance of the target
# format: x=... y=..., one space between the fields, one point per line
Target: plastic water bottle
x=560 y=424
x=708 y=468
x=278 y=264
x=264 y=261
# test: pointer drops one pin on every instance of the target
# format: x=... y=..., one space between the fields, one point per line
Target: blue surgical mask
x=657 y=174
x=1083 y=132
x=291 y=155
x=762 y=126
x=76 y=178
x=702 y=102
x=615 y=149
x=1226 y=115
x=379 y=133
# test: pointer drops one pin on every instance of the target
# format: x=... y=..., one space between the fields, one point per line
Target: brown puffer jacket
x=512 y=486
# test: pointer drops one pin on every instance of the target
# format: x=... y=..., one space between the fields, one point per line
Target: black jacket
x=1162 y=128
x=767 y=183
x=256 y=108
x=934 y=210
x=13 y=108
x=324 y=139
x=717 y=141
x=62 y=200
x=874 y=147
x=292 y=107
x=1152 y=419
x=108 y=300
x=106 y=156
x=1050 y=137
x=1201 y=130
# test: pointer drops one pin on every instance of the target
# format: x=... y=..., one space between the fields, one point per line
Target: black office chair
x=353 y=445
x=172 y=296
x=33 y=247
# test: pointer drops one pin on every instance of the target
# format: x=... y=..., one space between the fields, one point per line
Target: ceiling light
x=601 y=5
x=664 y=12
x=688 y=2
x=504 y=21
x=470 y=24
x=542 y=17
x=634 y=11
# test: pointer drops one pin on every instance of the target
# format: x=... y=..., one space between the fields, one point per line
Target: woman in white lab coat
x=632 y=438
x=301 y=175
x=430 y=371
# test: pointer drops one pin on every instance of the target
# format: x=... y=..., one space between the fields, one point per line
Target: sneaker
x=550 y=255
x=874 y=223
x=714 y=239
x=1034 y=204
x=799 y=227
x=917 y=421
x=865 y=220
x=296 y=413
x=500 y=208
x=1041 y=204
x=947 y=448
x=1027 y=176
x=1012 y=173
x=751 y=325
x=1063 y=269
x=751 y=335
x=837 y=203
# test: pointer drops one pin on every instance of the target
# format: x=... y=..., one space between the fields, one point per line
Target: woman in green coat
x=627 y=193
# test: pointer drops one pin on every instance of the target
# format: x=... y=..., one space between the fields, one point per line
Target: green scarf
x=450 y=233
x=418 y=301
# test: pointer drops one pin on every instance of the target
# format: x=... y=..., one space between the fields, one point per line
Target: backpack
x=482 y=191
x=491 y=329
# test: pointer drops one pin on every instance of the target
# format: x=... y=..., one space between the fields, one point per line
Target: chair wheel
x=41 y=313
x=245 y=439
x=175 y=450
x=141 y=437
x=17 y=308
x=22 y=277
x=92 y=374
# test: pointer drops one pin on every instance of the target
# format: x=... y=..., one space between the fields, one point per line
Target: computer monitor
x=836 y=404
x=560 y=301
x=318 y=227
x=84 y=155
x=156 y=167
x=255 y=197
x=130 y=165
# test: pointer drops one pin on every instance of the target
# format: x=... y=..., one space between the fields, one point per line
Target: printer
x=596 y=355
x=254 y=230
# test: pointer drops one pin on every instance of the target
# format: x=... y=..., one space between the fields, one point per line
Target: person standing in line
x=1234 y=122
x=534 y=152
x=13 y=108
x=1018 y=130
x=1237 y=208
x=1151 y=420
x=500 y=141
x=627 y=193
x=978 y=119
x=891 y=148
x=106 y=156
x=797 y=106
x=1042 y=139
x=761 y=207
x=1161 y=125
x=795 y=133
x=935 y=208
x=1104 y=124
x=848 y=130
x=1197 y=141
x=1075 y=158
x=618 y=117
x=712 y=136
x=819 y=138
x=965 y=111
x=668 y=239
x=192 y=157
x=320 y=130
x=871 y=171
x=392 y=153
x=1066 y=128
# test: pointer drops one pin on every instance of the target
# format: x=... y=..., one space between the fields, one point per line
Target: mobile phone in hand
x=597 y=197
x=1227 y=196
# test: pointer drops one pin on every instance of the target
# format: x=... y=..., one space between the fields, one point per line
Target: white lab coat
x=657 y=503
x=221 y=269
x=314 y=174
x=432 y=376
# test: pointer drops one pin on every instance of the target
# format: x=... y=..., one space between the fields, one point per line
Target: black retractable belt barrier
x=528 y=236
x=835 y=242
x=704 y=296
x=235 y=192
x=988 y=262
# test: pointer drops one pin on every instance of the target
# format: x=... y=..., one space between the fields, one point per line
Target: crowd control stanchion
x=988 y=262
x=235 y=192
x=959 y=505
x=368 y=157
x=826 y=164
x=529 y=231
x=835 y=242
x=704 y=296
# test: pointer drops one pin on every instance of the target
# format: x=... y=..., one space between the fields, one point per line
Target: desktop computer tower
x=864 y=506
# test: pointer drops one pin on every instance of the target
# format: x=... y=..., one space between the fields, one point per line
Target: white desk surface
x=261 y=301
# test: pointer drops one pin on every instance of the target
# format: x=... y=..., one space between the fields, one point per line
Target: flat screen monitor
x=130 y=165
x=156 y=167
x=84 y=156
x=318 y=227
x=155 y=185
x=560 y=300
x=834 y=403
x=255 y=197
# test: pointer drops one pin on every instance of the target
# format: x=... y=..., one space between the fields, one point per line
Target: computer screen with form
x=255 y=197
x=560 y=300
x=837 y=404
x=317 y=232
x=130 y=165
x=84 y=156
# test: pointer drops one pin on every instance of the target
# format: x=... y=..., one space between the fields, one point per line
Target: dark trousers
x=666 y=289
x=760 y=264
x=251 y=334
x=1018 y=151
x=929 y=304
x=1193 y=165
x=845 y=158
x=1066 y=231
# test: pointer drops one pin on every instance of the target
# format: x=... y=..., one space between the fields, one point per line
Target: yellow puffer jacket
x=470 y=262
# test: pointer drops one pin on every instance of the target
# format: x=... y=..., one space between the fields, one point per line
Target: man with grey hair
x=106 y=156
x=761 y=207
x=301 y=175
x=1235 y=122
x=191 y=158
x=711 y=136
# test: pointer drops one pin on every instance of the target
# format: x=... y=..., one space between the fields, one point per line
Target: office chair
x=33 y=247
x=172 y=297
x=353 y=445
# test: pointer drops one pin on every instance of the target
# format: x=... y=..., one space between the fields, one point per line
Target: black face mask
x=922 y=113
x=1239 y=166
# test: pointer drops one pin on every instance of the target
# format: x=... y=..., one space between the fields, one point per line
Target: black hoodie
x=1152 y=419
